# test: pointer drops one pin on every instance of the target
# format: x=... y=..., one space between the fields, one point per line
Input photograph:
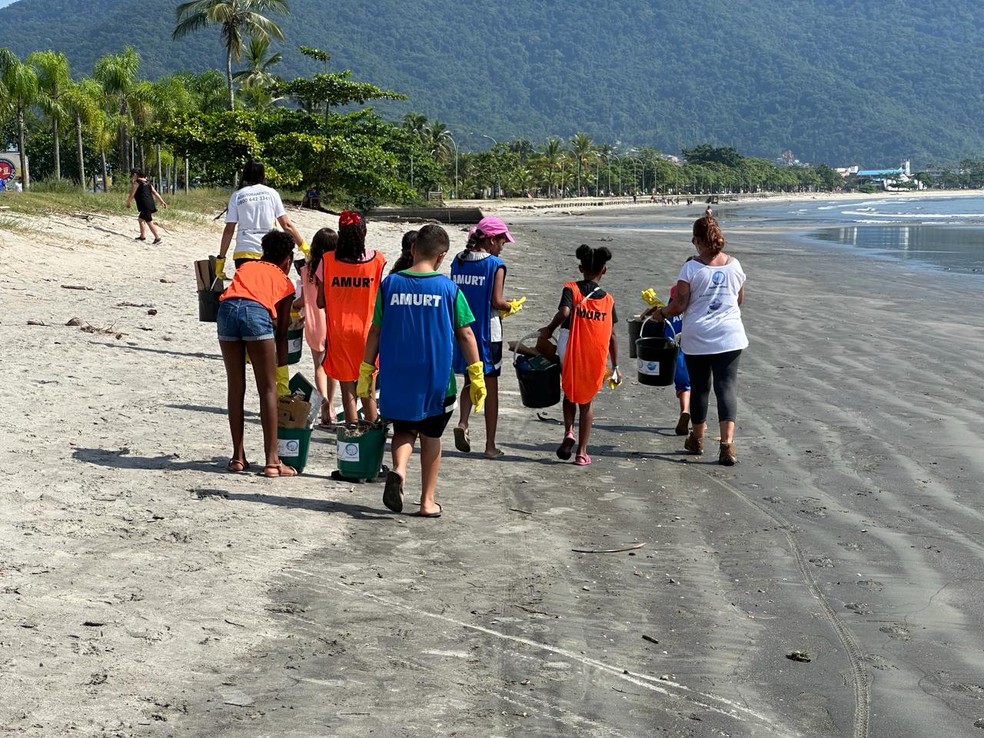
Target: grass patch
x=198 y=205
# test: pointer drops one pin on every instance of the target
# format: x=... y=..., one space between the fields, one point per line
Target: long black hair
x=324 y=242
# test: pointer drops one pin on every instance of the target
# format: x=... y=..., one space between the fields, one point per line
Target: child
x=315 y=326
x=351 y=279
x=258 y=299
x=480 y=274
x=587 y=318
x=405 y=260
x=144 y=193
x=426 y=310
x=681 y=379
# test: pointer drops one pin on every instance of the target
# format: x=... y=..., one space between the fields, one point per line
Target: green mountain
x=838 y=81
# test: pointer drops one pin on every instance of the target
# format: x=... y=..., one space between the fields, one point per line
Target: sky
x=5 y=3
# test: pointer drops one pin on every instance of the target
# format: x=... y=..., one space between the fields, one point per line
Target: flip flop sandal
x=582 y=460
x=236 y=466
x=393 y=492
x=461 y=440
x=499 y=453
x=437 y=514
x=282 y=471
x=566 y=448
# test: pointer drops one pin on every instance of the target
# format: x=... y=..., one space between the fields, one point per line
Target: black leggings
x=724 y=367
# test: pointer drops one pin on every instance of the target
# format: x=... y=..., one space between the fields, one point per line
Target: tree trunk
x=160 y=179
x=174 y=175
x=232 y=96
x=57 y=148
x=80 y=150
x=187 y=171
x=105 y=171
x=22 y=143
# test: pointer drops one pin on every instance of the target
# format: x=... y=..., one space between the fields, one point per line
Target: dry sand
x=143 y=591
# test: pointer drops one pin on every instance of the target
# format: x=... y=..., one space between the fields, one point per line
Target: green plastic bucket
x=292 y=446
x=360 y=452
x=295 y=345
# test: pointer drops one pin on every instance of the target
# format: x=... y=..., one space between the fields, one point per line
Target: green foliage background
x=839 y=81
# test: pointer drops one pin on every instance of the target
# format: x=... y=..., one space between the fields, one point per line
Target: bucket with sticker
x=360 y=451
x=656 y=360
x=292 y=446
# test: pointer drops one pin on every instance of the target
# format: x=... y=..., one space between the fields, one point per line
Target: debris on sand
x=801 y=656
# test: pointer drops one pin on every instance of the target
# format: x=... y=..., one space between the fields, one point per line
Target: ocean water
x=933 y=232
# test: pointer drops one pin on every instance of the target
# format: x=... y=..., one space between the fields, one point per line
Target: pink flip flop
x=565 y=448
x=582 y=460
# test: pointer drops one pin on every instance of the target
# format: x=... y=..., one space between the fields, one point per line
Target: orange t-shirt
x=262 y=282
x=350 y=298
x=587 y=347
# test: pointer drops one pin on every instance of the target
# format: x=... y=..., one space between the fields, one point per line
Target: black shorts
x=146 y=216
x=495 y=356
x=432 y=427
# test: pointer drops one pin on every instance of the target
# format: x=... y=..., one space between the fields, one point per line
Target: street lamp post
x=455 y=144
x=618 y=158
x=498 y=183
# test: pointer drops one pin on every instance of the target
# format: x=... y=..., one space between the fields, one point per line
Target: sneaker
x=694 y=445
x=156 y=241
x=683 y=424
x=140 y=238
x=727 y=456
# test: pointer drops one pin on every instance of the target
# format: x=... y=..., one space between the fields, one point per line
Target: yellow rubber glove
x=650 y=298
x=514 y=307
x=306 y=250
x=476 y=390
x=283 y=381
x=615 y=380
x=220 y=269
x=363 y=387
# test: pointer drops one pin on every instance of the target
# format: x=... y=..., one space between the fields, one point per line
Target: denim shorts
x=240 y=319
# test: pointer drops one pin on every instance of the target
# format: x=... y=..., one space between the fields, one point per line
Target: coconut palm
x=81 y=101
x=256 y=81
x=117 y=74
x=238 y=20
x=19 y=92
x=582 y=150
x=54 y=79
x=552 y=161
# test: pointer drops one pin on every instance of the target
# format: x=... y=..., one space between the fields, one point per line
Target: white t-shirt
x=712 y=320
x=255 y=208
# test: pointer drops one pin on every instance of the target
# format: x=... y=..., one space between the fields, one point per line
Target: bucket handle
x=519 y=343
x=675 y=337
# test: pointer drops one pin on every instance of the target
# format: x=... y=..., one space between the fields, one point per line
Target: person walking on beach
x=422 y=309
x=681 y=378
x=480 y=274
x=315 y=324
x=709 y=293
x=253 y=210
x=254 y=312
x=351 y=277
x=143 y=193
x=586 y=318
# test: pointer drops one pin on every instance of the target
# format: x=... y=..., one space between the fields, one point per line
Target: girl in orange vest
x=350 y=279
x=586 y=318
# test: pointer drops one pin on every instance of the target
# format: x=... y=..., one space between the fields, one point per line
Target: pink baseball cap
x=492 y=226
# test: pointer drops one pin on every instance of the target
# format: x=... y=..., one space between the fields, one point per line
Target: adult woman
x=709 y=292
x=253 y=210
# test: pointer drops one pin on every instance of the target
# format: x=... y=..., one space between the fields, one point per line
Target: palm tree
x=553 y=156
x=19 y=92
x=581 y=149
x=238 y=20
x=54 y=79
x=117 y=74
x=81 y=102
x=256 y=81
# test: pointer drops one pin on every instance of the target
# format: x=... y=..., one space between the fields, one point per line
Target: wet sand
x=146 y=592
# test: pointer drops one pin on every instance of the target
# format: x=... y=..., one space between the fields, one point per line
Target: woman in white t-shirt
x=709 y=294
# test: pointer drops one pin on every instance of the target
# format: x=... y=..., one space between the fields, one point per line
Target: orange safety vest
x=587 y=347
x=350 y=299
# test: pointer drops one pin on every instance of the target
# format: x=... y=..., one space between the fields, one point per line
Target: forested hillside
x=838 y=81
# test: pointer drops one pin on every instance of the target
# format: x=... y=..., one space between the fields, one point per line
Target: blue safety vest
x=476 y=280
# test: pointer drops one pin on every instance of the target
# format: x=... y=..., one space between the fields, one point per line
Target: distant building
x=891 y=180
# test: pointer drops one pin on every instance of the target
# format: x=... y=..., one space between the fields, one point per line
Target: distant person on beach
x=480 y=274
x=709 y=293
x=254 y=313
x=586 y=318
x=405 y=259
x=422 y=309
x=315 y=324
x=143 y=193
x=253 y=210
x=350 y=277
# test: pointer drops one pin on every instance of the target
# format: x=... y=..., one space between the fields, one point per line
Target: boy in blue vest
x=480 y=274
x=419 y=316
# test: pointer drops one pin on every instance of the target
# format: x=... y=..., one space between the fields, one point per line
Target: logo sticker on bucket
x=348 y=451
x=649 y=367
x=288 y=447
x=294 y=345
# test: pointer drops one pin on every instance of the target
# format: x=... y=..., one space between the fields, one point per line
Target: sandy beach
x=145 y=592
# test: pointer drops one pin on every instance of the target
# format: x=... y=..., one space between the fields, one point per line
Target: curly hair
x=708 y=233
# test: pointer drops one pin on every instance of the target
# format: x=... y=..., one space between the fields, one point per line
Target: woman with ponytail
x=586 y=318
x=709 y=293
x=350 y=277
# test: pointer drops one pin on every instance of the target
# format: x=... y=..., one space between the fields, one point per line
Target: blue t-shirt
x=417 y=314
x=475 y=277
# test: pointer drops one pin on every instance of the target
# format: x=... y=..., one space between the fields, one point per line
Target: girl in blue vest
x=480 y=274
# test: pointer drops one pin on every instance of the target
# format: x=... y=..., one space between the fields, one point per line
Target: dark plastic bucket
x=656 y=361
x=292 y=446
x=295 y=345
x=208 y=306
x=643 y=328
x=539 y=387
x=360 y=453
